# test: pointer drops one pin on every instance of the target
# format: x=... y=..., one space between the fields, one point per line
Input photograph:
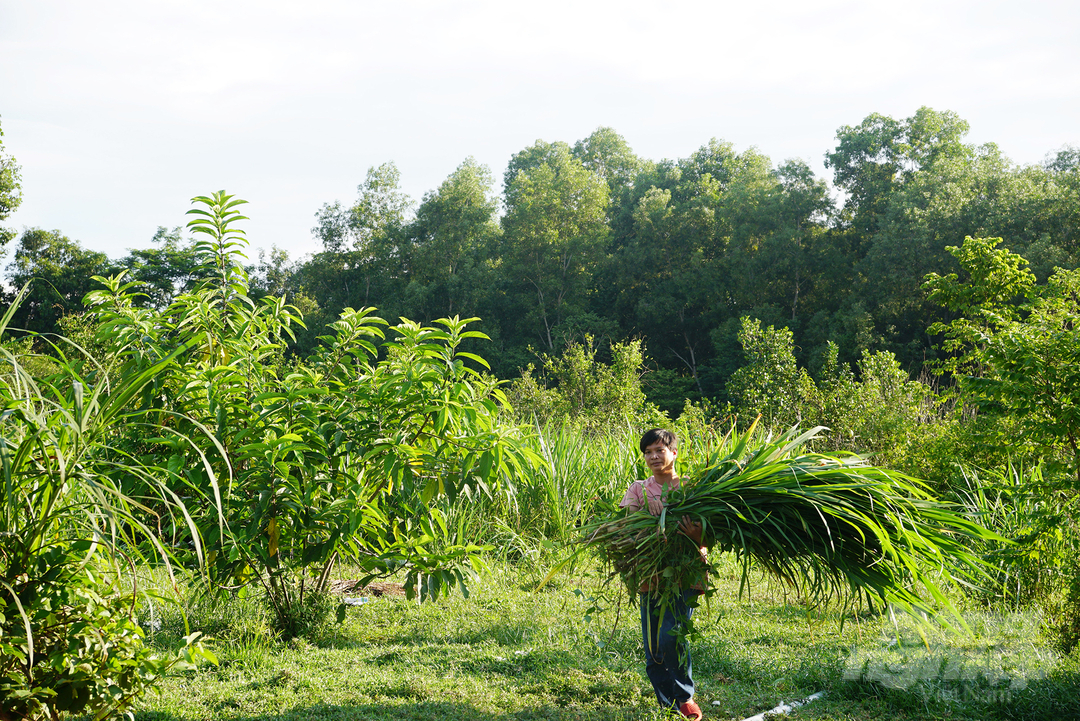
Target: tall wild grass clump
x=1034 y=562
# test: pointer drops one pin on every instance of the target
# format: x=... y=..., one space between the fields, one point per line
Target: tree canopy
x=588 y=239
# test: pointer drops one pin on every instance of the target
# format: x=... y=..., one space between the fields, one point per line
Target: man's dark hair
x=659 y=435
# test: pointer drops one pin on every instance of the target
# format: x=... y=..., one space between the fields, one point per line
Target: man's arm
x=634 y=498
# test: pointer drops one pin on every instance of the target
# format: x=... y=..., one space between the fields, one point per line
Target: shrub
x=68 y=639
x=598 y=396
x=771 y=383
x=881 y=412
x=344 y=455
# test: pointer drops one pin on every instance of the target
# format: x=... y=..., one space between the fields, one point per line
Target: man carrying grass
x=667 y=660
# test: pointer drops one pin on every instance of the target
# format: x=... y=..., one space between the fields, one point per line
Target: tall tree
x=607 y=154
x=380 y=209
x=669 y=282
x=915 y=189
x=361 y=263
x=975 y=193
x=554 y=235
x=715 y=235
x=881 y=153
x=60 y=272
x=10 y=191
x=996 y=279
x=782 y=265
x=165 y=270
x=449 y=246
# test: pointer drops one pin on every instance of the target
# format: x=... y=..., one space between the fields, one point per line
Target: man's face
x=660 y=458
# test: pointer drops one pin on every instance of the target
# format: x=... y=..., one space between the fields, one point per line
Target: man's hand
x=655 y=502
x=691 y=529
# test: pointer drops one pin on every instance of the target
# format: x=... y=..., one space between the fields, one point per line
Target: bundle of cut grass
x=826 y=525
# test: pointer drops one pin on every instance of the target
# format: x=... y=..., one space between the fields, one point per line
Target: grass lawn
x=507 y=652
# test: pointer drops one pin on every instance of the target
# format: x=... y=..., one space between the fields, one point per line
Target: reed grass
x=582 y=474
x=829 y=526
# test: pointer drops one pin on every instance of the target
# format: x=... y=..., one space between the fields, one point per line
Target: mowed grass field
x=572 y=650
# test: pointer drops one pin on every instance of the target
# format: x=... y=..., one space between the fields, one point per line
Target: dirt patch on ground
x=379 y=588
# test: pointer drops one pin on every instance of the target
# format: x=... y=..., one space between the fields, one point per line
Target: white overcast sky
x=120 y=112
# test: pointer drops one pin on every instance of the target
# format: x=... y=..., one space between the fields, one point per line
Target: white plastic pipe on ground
x=783 y=707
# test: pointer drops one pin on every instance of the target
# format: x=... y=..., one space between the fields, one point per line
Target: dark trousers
x=667 y=660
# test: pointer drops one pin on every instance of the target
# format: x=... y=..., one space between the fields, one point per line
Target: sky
x=119 y=112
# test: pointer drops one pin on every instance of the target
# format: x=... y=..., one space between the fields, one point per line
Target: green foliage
x=1036 y=566
x=1017 y=367
x=10 y=191
x=35 y=364
x=1032 y=374
x=580 y=472
x=598 y=396
x=362 y=260
x=59 y=271
x=379 y=210
x=555 y=236
x=340 y=456
x=879 y=412
x=449 y=244
x=677 y=250
x=166 y=270
x=669 y=390
x=67 y=529
x=1037 y=559
x=1064 y=610
x=881 y=151
x=596 y=239
x=577 y=471
x=771 y=383
x=1016 y=364
x=607 y=154
x=997 y=279
x=69 y=642
x=915 y=189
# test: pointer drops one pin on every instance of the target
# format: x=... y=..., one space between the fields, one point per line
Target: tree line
x=590 y=243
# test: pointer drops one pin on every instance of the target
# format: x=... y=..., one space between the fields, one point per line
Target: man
x=667 y=661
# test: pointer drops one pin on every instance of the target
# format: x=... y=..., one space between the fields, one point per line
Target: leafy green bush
x=1015 y=354
x=878 y=411
x=341 y=456
x=881 y=411
x=578 y=388
x=68 y=638
x=771 y=383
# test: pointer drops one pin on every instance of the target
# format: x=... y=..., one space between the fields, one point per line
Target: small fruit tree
x=342 y=455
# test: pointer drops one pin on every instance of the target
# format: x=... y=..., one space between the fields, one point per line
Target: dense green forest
x=589 y=241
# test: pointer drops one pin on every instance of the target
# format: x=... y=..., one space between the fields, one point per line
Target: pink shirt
x=635 y=495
